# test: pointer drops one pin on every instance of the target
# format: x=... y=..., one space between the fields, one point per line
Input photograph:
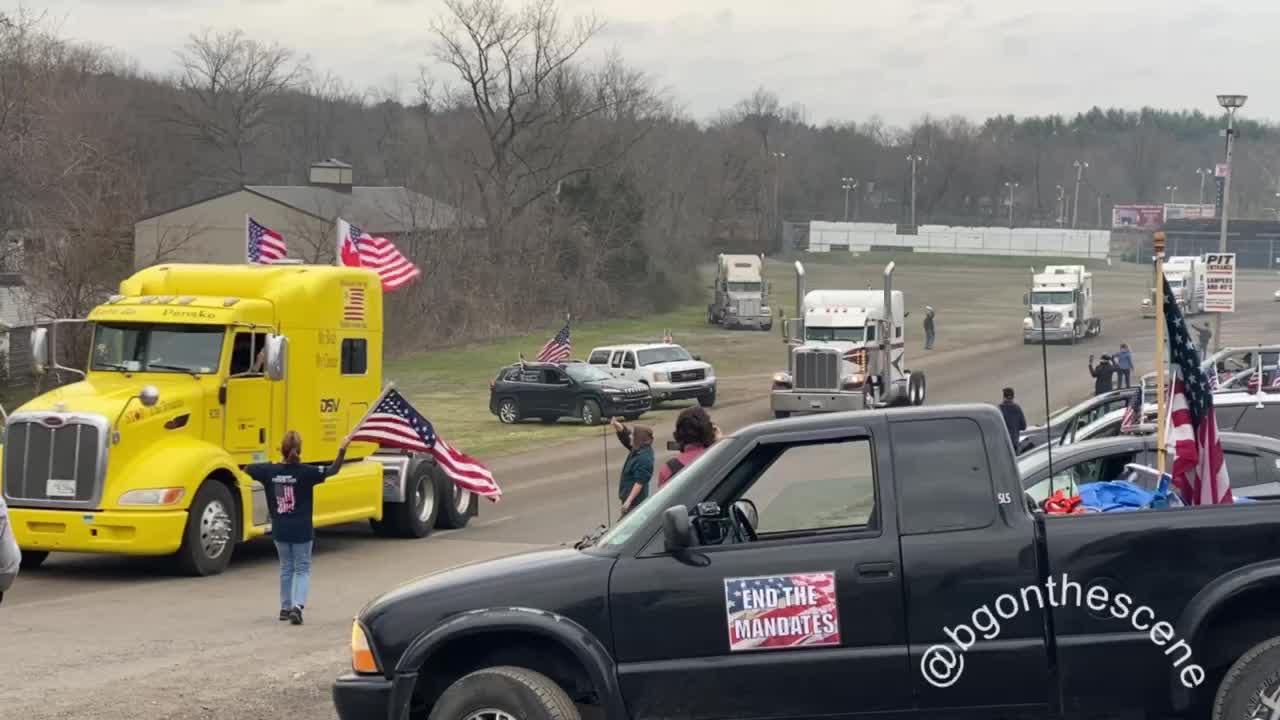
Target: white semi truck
x=845 y=351
x=1065 y=294
x=741 y=294
x=1186 y=277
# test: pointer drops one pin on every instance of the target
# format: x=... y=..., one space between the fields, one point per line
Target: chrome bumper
x=798 y=401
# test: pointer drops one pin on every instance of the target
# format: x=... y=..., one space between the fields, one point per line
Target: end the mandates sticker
x=773 y=612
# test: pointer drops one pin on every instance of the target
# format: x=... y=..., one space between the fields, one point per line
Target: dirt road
x=103 y=637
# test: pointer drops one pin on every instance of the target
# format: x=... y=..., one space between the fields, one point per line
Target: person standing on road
x=694 y=434
x=1124 y=366
x=1014 y=420
x=290 y=489
x=10 y=555
x=1101 y=374
x=928 y=327
x=1204 y=334
x=637 y=471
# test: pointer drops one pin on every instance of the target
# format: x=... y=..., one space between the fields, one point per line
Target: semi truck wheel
x=32 y=559
x=505 y=692
x=916 y=388
x=416 y=516
x=211 y=532
x=1252 y=676
x=457 y=504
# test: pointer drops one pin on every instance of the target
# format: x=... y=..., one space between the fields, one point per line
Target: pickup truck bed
x=886 y=562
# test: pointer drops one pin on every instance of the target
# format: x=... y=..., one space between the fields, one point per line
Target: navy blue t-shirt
x=290 y=497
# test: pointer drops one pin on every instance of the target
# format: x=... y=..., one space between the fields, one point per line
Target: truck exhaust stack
x=798 y=321
x=886 y=343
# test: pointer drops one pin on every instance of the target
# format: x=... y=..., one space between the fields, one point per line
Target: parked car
x=1257 y=413
x=839 y=563
x=1233 y=365
x=550 y=391
x=1079 y=415
x=669 y=371
x=1253 y=464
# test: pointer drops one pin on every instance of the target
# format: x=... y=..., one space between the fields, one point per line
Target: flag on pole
x=1213 y=377
x=667 y=339
x=1132 y=411
x=263 y=246
x=558 y=348
x=357 y=248
x=394 y=423
x=1199 y=468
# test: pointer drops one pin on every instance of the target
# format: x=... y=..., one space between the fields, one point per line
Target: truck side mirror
x=677 y=532
x=40 y=350
x=277 y=349
x=149 y=396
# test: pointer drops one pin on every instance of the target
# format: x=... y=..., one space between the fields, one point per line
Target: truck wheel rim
x=491 y=714
x=215 y=529
x=508 y=412
x=424 y=500
x=461 y=498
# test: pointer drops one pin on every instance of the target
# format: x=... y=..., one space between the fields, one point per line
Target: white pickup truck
x=670 y=371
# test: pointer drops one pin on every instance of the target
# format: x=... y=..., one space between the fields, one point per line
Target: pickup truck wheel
x=509 y=411
x=32 y=559
x=210 y=536
x=708 y=400
x=416 y=516
x=1253 y=676
x=457 y=504
x=504 y=693
x=590 y=412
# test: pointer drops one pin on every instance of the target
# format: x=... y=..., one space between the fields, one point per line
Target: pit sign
x=1220 y=282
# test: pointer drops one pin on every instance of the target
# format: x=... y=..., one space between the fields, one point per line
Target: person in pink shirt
x=694 y=434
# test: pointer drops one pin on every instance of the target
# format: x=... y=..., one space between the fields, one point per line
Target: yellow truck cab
x=194 y=372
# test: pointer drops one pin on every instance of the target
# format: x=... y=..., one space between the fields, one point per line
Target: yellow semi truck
x=194 y=372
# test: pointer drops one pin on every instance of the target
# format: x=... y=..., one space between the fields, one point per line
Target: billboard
x=1181 y=211
x=1137 y=216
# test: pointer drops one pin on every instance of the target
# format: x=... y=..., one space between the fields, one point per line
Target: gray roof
x=373 y=209
x=16 y=309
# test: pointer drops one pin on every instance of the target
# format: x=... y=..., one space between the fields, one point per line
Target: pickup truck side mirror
x=277 y=349
x=677 y=532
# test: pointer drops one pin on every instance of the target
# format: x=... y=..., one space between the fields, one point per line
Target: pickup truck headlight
x=659 y=377
x=362 y=660
x=153 y=496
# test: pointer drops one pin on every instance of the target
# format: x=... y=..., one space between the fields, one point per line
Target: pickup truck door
x=709 y=634
x=967 y=543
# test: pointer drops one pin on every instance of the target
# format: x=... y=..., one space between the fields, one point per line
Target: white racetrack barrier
x=1042 y=242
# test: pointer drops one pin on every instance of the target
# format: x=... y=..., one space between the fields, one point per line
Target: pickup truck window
x=1260 y=421
x=599 y=357
x=818 y=486
x=1228 y=416
x=1069 y=478
x=942 y=475
x=1242 y=469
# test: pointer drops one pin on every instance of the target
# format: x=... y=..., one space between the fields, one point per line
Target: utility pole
x=1075 y=203
x=1099 y=212
x=1172 y=189
x=913 y=159
x=848 y=184
x=1062 y=210
x=777 y=214
x=1203 y=173
x=1012 y=186
x=1230 y=103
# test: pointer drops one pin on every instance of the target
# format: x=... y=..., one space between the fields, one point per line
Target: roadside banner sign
x=1220 y=282
x=1182 y=211
x=1137 y=216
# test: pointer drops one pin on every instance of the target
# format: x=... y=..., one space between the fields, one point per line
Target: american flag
x=394 y=423
x=353 y=303
x=1199 y=469
x=558 y=348
x=263 y=246
x=782 y=611
x=1132 y=409
x=667 y=337
x=357 y=248
x=1213 y=377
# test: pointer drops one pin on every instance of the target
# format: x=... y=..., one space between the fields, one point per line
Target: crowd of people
x=694 y=433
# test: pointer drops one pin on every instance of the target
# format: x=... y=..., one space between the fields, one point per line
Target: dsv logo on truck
x=943 y=664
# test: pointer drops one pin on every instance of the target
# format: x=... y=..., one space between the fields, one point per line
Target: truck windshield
x=658 y=502
x=1053 y=297
x=135 y=347
x=753 y=287
x=586 y=373
x=667 y=354
x=838 y=334
x=1176 y=283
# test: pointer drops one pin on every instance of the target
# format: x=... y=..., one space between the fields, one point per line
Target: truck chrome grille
x=749 y=308
x=817 y=370
x=1052 y=319
x=55 y=460
x=688 y=375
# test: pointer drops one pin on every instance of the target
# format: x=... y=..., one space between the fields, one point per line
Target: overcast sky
x=838 y=59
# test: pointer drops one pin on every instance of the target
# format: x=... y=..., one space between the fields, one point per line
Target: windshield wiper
x=176 y=368
x=590 y=538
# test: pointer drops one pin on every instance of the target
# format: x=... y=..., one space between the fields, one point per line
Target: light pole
x=1012 y=186
x=777 y=175
x=1075 y=202
x=913 y=159
x=1172 y=189
x=1062 y=211
x=1203 y=173
x=848 y=184
x=1230 y=103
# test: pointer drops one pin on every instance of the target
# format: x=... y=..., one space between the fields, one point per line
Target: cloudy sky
x=838 y=59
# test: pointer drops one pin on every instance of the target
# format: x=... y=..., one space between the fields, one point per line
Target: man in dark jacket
x=928 y=327
x=1014 y=420
x=1102 y=374
x=637 y=471
x=1204 y=334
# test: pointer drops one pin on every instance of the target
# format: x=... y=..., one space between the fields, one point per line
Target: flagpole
x=1157 y=251
x=248 y=260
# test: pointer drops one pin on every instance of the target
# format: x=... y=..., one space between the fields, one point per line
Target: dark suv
x=551 y=391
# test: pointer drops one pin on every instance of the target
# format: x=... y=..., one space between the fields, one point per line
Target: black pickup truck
x=845 y=564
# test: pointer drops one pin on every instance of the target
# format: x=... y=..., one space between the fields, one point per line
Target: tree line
x=598 y=196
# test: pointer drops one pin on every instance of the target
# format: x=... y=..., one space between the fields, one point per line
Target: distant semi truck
x=1065 y=294
x=741 y=294
x=1186 y=277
